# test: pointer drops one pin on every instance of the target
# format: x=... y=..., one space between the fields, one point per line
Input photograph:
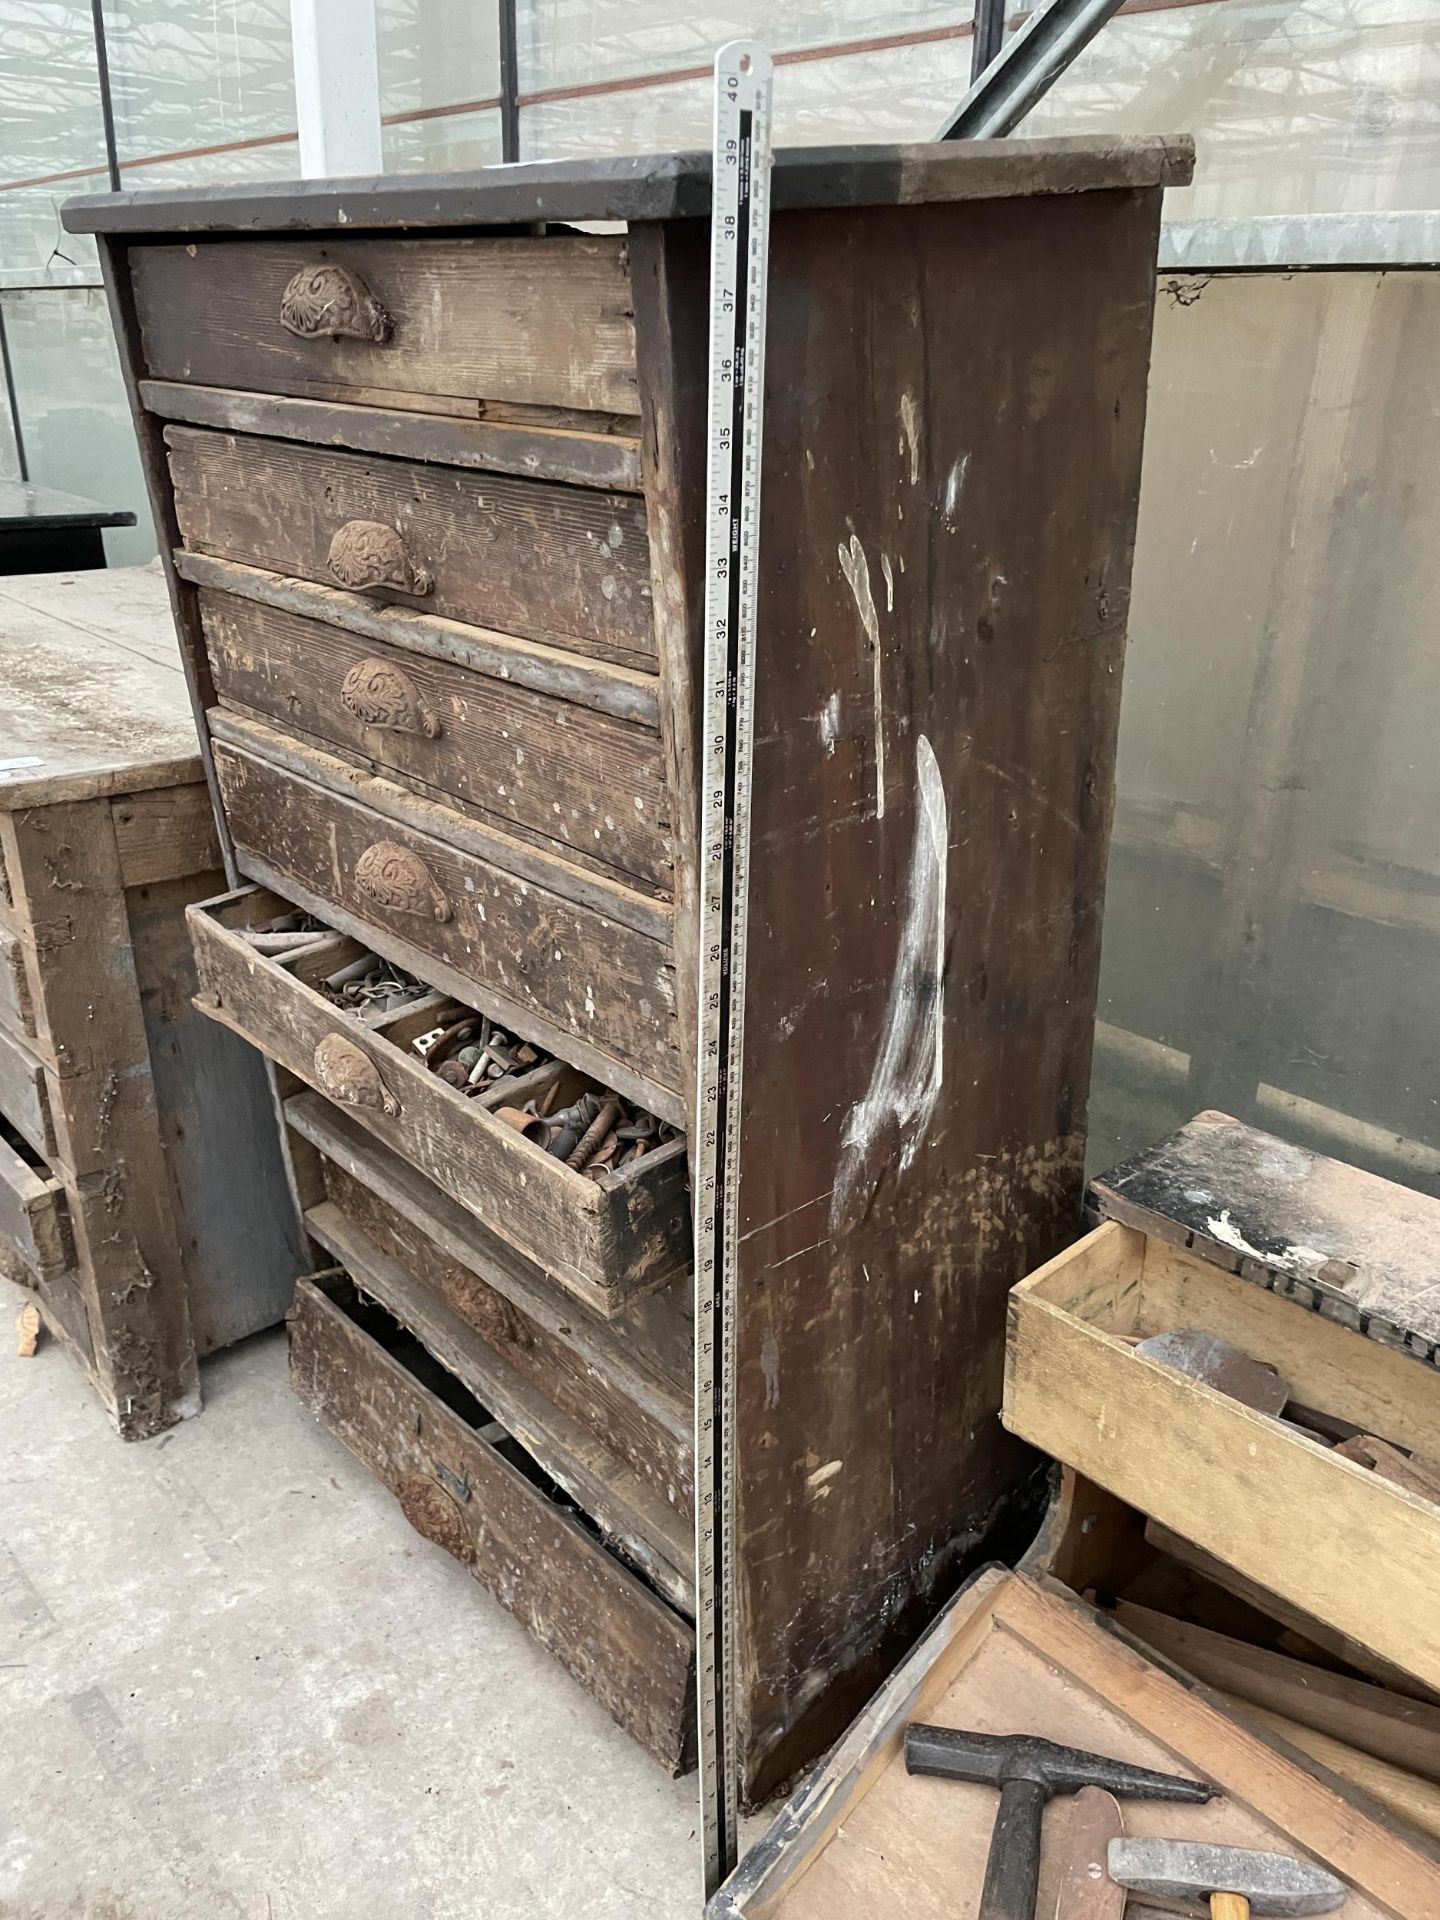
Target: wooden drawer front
x=576 y=982
x=24 y=1098
x=34 y=1216
x=585 y=784
x=536 y=322
x=1339 y=1543
x=459 y=1489
x=596 y=1374
x=15 y=1014
x=602 y=1241
x=562 y=565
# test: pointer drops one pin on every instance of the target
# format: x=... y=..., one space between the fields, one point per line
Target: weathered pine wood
x=562 y=565
x=600 y=1240
x=557 y=968
x=606 y=688
x=588 y=787
x=33 y=1224
x=15 y=1014
x=24 y=1101
x=583 y=459
x=542 y=321
x=933 y=793
x=1359 y=1249
x=1243 y=1487
x=166 y=834
x=591 y=1377
x=623 y=1644
x=634 y=1519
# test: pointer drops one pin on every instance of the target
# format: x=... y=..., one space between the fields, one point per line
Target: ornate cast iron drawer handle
x=391 y=876
x=367 y=553
x=347 y=1073
x=380 y=695
x=329 y=301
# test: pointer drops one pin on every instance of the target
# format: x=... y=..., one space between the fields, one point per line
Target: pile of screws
x=595 y=1135
x=370 y=984
x=473 y=1055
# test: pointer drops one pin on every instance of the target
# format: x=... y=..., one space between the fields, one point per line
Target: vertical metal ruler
x=739 y=256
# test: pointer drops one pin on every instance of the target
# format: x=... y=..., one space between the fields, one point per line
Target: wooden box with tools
x=430 y=468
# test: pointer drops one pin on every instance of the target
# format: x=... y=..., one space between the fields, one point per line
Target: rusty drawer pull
x=325 y=301
x=367 y=553
x=380 y=695
x=391 y=876
x=347 y=1073
x=436 y=1514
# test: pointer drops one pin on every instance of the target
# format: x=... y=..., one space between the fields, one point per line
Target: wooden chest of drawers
x=142 y=1193
x=430 y=463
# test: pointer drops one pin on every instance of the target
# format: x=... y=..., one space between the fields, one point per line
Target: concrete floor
x=234 y=1682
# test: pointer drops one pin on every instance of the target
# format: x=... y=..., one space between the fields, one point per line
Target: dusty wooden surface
x=604 y=1626
x=95 y=699
x=1360 y=1249
x=862 y=1837
x=933 y=791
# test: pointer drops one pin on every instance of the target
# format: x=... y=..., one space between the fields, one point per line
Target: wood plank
x=563 y=565
x=1416 y=1801
x=934 y=773
x=1353 y=1246
x=544 y=320
x=1402 y=1731
x=24 y=1098
x=1243 y=1487
x=603 y=1374
x=601 y=1241
x=33 y=1216
x=579 y=458
x=623 y=1644
x=634 y=1520
x=587 y=787
x=15 y=1015
x=559 y=968
x=621 y=691
x=166 y=834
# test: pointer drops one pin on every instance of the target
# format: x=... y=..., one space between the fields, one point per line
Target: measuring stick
x=739 y=251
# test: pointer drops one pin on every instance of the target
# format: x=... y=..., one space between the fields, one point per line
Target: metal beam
x=337 y=88
x=1027 y=68
x=509 y=84
x=1301 y=242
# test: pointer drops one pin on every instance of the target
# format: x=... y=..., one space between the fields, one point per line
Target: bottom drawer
x=466 y=1485
x=34 y=1216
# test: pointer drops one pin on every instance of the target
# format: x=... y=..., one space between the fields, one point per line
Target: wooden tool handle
x=1229 y=1906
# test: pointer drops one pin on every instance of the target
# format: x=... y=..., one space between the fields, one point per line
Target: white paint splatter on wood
x=954 y=488
x=889 y=573
x=910 y=424
x=909 y=1068
x=856 y=569
x=830 y=724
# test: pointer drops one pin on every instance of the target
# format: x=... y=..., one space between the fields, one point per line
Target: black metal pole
x=107 y=110
x=509 y=84
x=12 y=398
x=989 y=35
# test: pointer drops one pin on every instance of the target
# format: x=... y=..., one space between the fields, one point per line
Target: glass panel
x=53 y=140
x=185 y=79
x=1326 y=107
x=437 y=53
x=443 y=145
x=75 y=419
x=1272 y=927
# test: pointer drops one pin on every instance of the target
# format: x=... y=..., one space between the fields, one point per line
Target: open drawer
x=1267 y=1497
x=465 y=1483
x=34 y=1215
x=603 y=1240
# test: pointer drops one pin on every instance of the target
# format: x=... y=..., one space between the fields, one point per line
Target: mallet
x=1230 y=1883
x=1028 y=1771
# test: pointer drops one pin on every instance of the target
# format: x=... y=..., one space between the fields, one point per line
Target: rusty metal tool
x=1029 y=1772
x=1214 y=1362
x=1228 y=1883
x=1085 y=1890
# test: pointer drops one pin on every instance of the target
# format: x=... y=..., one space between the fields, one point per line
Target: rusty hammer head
x=1189 y=1871
x=996 y=1759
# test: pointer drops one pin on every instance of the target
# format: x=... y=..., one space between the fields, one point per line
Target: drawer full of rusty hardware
x=467 y=1484
x=570 y=762
x=566 y=566
x=573 y=961
x=450 y=325
x=602 y=1240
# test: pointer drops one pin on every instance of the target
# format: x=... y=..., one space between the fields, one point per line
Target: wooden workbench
x=141 y=1189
